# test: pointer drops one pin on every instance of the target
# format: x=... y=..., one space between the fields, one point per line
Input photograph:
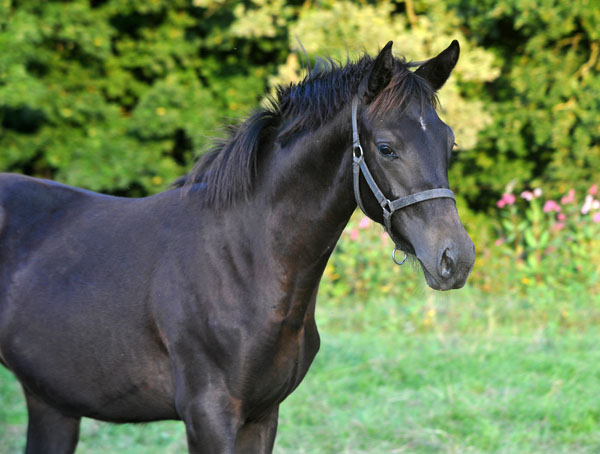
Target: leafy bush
x=117 y=95
x=544 y=104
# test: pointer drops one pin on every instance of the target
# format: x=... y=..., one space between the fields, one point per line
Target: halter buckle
x=357 y=148
x=386 y=206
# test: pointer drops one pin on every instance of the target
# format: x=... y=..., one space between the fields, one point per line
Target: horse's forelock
x=404 y=87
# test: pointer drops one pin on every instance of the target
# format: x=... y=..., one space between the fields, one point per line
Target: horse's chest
x=274 y=376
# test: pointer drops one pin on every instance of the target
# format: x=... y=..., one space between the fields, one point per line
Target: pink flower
x=551 y=205
x=593 y=189
x=527 y=195
x=596 y=217
x=364 y=223
x=499 y=242
x=561 y=217
x=569 y=198
x=537 y=192
x=507 y=199
x=558 y=226
x=354 y=234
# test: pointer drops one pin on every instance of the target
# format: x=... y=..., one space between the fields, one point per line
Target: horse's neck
x=311 y=199
x=281 y=238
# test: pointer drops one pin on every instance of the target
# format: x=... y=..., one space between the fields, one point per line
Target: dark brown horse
x=198 y=303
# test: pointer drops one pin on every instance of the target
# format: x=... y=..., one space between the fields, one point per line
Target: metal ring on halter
x=358 y=148
x=396 y=260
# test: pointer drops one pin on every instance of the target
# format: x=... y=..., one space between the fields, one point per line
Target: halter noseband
x=388 y=206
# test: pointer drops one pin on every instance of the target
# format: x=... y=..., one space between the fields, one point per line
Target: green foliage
x=544 y=104
x=115 y=96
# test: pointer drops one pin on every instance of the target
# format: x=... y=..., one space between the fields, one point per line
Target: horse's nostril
x=446 y=265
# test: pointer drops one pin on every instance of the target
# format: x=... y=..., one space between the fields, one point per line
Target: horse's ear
x=381 y=73
x=437 y=70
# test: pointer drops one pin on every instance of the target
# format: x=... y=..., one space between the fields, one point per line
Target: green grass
x=448 y=394
x=381 y=392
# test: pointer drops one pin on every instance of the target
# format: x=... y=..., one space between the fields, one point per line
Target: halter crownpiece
x=388 y=206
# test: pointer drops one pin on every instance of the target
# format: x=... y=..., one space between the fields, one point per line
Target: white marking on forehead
x=423 y=125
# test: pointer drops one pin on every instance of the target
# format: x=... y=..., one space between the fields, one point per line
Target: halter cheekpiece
x=388 y=206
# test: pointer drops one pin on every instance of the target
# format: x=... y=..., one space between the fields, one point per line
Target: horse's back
x=33 y=213
x=60 y=241
x=28 y=204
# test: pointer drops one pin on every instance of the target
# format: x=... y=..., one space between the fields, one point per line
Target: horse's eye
x=385 y=150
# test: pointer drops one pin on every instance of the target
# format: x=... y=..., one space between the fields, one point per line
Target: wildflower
x=499 y=242
x=569 y=198
x=587 y=205
x=537 y=192
x=593 y=189
x=596 y=217
x=551 y=205
x=561 y=217
x=527 y=195
x=364 y=223
x=558 y=226
x=525 y=280
x=507 y=199
x=354 y=234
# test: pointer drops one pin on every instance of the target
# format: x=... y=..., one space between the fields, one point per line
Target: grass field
x=373 y=389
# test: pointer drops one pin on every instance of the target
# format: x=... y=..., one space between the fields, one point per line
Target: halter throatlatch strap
x=388 y=206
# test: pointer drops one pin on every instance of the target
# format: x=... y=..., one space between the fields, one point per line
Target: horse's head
x=406 y=150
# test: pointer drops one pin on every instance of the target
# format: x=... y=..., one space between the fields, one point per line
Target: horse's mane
x=227 y=170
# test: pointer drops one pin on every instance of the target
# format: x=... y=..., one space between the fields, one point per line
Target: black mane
x=227 y=170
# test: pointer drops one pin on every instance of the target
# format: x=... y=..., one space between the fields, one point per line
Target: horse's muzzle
x=452 y=266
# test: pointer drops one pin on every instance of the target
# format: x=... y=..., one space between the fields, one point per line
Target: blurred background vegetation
x=120 y=96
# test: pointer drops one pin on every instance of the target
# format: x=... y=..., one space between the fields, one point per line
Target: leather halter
x=388 y=206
